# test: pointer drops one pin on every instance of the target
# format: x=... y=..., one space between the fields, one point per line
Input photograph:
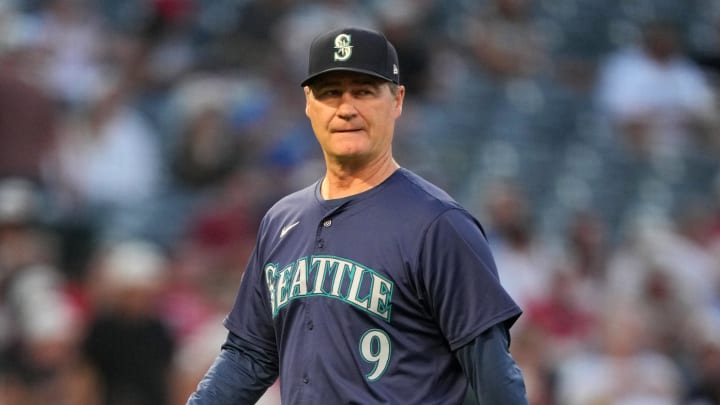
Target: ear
x=307 y=91
x=399 y=99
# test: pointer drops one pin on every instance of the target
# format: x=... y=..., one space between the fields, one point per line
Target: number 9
x=375 y=348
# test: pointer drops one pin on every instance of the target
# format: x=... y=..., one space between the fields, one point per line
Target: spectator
x=655 y=96
x=704 y=386
x=300 y=23
x=623 y=371
x=568 y=323
x=523 y=262
x=505 y=41
x=128 y=343
x=40 y=358
x=586 y=251
x=679 y=248
x=27 y=113
x=587 y=244
x=73 y=43
x=107 y=164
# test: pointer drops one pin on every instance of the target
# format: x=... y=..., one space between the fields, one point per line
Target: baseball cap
x=355 y=50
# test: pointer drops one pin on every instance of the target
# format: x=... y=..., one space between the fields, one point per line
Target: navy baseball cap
x=355 y=50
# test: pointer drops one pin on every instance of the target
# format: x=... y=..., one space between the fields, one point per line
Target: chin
x=350 y=149
x=355 y=158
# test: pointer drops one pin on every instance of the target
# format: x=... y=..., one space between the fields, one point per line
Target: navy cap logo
x=343 y=49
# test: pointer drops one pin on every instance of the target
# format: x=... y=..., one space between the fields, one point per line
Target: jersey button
x=320 y=243
x=327 y=223
x=310 y=326
x=306 y=380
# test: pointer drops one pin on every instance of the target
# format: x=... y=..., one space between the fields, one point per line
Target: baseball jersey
x=365 y=298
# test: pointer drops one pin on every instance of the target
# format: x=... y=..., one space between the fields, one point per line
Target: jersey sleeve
x=251 y=316
x=460 y=280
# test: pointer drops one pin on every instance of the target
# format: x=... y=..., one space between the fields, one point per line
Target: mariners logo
x=343 y=49
x=330 y=277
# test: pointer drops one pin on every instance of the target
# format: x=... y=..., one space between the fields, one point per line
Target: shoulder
x=289 y=207
x=412 y=201
x=410 y=187
x=294 y=202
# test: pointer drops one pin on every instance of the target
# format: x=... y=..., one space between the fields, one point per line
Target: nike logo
x=287 y=228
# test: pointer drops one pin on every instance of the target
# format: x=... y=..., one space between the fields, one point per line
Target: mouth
x=346 y=131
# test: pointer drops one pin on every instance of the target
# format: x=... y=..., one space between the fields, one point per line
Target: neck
x=342 y=180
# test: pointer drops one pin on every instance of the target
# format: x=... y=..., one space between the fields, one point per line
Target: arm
x=240 y=375
x=491 y=370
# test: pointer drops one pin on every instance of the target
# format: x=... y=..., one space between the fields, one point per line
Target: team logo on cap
x=343 y=49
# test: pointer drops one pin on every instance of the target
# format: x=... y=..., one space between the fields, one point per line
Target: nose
x=346 y=110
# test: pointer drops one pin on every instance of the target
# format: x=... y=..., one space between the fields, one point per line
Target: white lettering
x=282 y=287
x=298 y=288
x=380 y=296
x=270 y=280
x=352 y=296
x=338 y=276
x=295 y=281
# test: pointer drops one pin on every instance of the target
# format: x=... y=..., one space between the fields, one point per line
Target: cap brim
x=343 y=69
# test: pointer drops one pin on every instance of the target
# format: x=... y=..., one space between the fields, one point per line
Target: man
x=371 y=285
x=658 y=99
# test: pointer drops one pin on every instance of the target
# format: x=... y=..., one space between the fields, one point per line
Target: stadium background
x=141 y=141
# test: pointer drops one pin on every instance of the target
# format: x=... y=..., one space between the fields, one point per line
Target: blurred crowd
x=142 y=140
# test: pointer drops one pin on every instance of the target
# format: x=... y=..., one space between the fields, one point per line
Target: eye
x=365 y=91
x=328 y=92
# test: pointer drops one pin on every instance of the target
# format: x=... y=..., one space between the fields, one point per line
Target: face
x=353 y=116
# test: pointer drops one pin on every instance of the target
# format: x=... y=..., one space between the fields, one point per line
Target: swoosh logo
x=287 y=228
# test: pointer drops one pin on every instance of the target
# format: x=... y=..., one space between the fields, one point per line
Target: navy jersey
x=365 y=298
